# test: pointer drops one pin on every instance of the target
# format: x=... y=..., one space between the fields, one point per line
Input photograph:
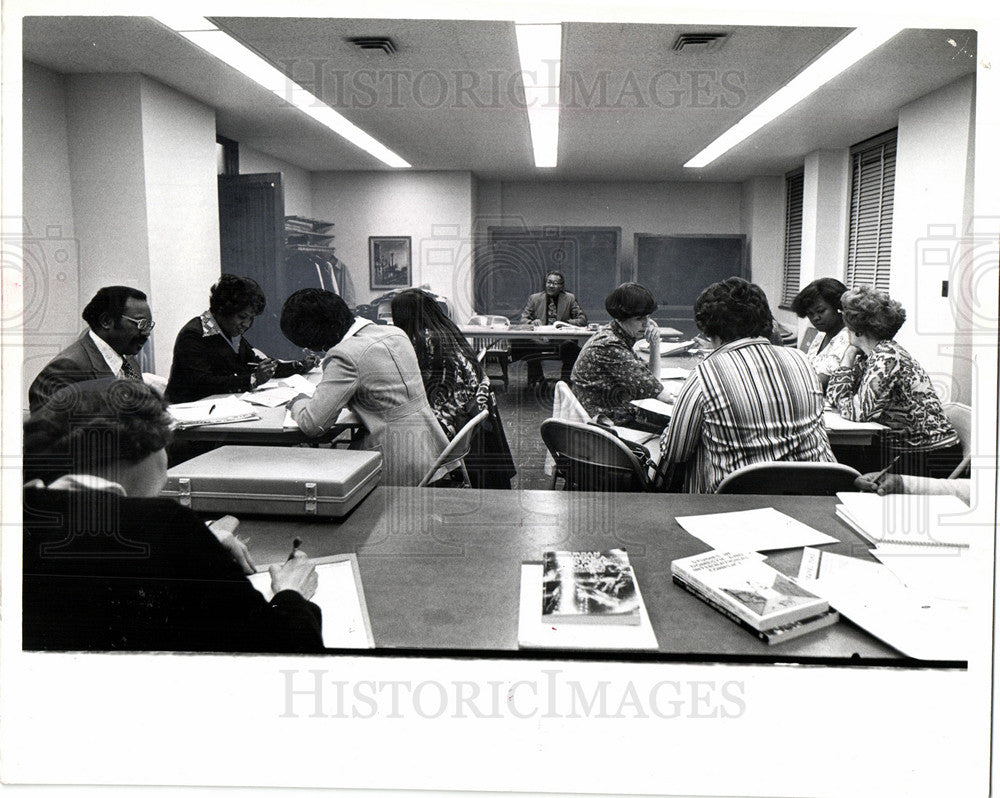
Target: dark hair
x=234 y=294
x=555 y=273
x=89 y=426
x=315 y=319
x=873 y=313
x=417 y=314
x=629 y=300
x=733 y=309
x=111 y=300
x=825 y=288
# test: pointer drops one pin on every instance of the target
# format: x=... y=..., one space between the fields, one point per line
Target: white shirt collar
x=86 y=482
x=359 y=322
x=111 y=357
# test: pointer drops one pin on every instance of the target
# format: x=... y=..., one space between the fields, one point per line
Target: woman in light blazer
x=373 y=369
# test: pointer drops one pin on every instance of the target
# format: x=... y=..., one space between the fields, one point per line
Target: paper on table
x=832 y=420
x=677 y=348
x=211 y=411
x=765 y=529
x=272 y=397
x=674 y=373
x=532 y=632
x=299 y=384
x=945 y=573
x=289 y=422
x=871 y=596
x=341 y=598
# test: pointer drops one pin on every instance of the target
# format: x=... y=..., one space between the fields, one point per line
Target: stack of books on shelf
x=750 y=592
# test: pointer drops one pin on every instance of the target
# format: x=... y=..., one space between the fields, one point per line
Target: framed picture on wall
x=389 y=262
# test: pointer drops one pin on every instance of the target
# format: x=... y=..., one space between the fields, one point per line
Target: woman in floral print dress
x=878 y=380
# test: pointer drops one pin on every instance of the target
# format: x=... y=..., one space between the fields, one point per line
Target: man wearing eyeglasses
x=120 y=324
x=544 y=308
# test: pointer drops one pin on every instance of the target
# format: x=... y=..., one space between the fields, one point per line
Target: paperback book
x=589 y=587
x=748 y=587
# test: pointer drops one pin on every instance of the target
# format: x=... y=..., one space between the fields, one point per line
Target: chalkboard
x=518 y=259
x=676 y=269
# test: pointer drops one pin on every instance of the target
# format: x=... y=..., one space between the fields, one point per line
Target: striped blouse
x=747 y=402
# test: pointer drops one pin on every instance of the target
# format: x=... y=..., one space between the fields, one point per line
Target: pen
x=295 y=547
x=884 y=471
x=211 y=409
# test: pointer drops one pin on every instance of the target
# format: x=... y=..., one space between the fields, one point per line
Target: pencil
x=878 y=477
x=295 y=547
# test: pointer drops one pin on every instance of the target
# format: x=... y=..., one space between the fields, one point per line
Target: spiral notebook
x=904 y=519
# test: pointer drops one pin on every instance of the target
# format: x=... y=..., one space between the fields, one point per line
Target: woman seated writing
x=748 y=401
x=820 y=301
x=107 y=566
x=373 y=369
x=878 y=380
x=457 y=387
x=608 y=375
x=212 y=356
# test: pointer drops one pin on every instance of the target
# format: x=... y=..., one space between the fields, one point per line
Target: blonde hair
x=873 y=313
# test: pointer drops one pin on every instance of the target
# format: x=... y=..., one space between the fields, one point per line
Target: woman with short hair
x=457 y=387
x=608 y=375
x=211 y=354
x=878 y=380
x=820 y=301
x=373 y=369
x=748 y=401
x=110 y=566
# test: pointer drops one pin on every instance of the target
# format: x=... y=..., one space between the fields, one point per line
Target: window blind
x=873 y=174
x=793 y=236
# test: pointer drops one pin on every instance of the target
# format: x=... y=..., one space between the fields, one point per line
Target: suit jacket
x=375 y=371
x=153 y=578
x=207 y=364
x=78 y=362
x=567 y=309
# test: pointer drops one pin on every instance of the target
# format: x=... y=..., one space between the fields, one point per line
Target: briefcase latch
x=184 y=491
x=311 y=498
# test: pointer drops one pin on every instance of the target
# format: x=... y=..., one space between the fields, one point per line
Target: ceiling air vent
x=700 y=42
x=371 y=44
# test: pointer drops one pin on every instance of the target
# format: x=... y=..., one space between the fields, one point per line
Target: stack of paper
x=765 y=529
x=224 y=410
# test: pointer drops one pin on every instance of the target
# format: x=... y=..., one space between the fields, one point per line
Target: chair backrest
x=960 y=417
x=807 y=338
x=483 y=320
x=790 y=479
x=456 y=450
x=566 y=406
x=591 y=458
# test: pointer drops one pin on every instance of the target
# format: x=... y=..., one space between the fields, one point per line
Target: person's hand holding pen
x=881 y=482
x=264 y=370
x=296 y=573
x=309 y=362
x=224 y=530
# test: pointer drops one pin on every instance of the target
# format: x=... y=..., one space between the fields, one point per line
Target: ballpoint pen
x=877 y=478
x=295 y=547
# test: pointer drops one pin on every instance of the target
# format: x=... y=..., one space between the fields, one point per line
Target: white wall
x=934 y=172
x=182 y=210
x=50 y=261
x=296 y=181
x=433 y=208
x=763 y=220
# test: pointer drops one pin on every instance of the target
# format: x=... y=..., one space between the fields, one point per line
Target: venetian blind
x=793 y=236
x=873 y=173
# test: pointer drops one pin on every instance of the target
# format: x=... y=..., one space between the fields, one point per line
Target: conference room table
x=440 y=569
x=268 y=429
x=544 y=333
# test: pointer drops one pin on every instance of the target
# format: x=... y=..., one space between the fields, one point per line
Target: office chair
x=588 y=457
x=788 y=478
x=456 y=451
x=960 y=417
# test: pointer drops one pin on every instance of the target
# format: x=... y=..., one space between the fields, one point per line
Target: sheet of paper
x=832 y=420
x=678 y=348
x=870 y=595
x=765 y=529
x=272 y=397
x=533 y=633
x=341 y=599
x=907 y=518
x=673 y=373
x=211 y=411
x=942 y=572
x=655 y=406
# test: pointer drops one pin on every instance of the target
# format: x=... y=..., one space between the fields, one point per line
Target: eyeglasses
x=553 y=282
x=144 y=325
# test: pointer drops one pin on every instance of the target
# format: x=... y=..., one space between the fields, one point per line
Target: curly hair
x=89 y=426
x=826 y=288
x=733 y=309
x=417 y=314
x=234 y=294
x=873 y=313
x=110 y=300
x=629 y=300
x=315 y=319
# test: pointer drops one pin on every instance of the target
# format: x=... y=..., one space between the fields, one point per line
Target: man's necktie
x=130 y=372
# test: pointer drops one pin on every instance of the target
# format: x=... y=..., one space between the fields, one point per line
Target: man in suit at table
x=120 y=324
x=544 y=308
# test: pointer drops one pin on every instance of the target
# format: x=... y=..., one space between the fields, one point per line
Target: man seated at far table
x=545 y=308
x=120 y=324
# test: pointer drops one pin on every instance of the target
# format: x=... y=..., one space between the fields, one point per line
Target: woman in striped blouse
x=748 y=401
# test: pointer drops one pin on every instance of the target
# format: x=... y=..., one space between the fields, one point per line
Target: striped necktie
x=130 y=372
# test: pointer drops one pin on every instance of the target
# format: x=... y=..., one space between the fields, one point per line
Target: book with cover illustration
x=776 y=634
x=589 y=587
x=748 y=587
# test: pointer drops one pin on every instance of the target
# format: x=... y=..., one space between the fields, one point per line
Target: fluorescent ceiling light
x=220 y=44
x=539 y=48
x=846 y=52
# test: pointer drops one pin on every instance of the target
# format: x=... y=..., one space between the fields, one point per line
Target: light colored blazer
x=375 y=371
x=567 y=309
